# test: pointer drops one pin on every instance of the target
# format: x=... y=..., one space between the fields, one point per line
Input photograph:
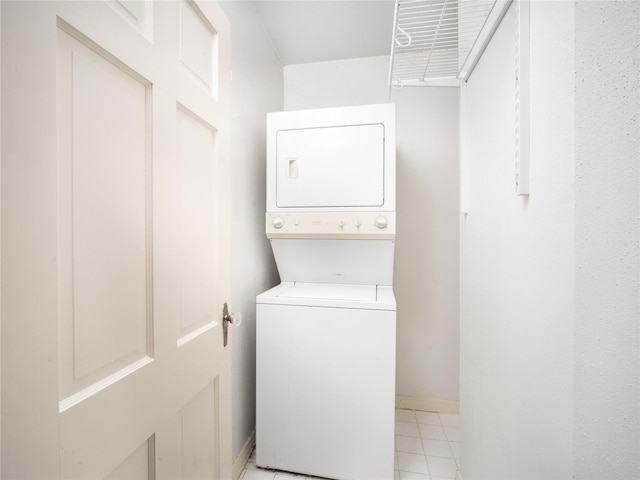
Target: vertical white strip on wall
x=522 y=113
x=0 y=224
x=465 y=161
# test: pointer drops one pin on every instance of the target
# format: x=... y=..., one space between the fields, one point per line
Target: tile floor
x=427 y=448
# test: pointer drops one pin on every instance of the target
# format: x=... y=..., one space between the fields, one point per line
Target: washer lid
x=364 y=297
x=357 y=293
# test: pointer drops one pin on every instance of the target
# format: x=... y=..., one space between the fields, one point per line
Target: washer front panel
x=325 y=391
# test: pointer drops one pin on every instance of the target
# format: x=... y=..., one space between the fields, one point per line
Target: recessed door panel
x=196 y=150
x=137 y=466
x=331 y=167
x=199 y=434
x=198 y=47
x=104 y=216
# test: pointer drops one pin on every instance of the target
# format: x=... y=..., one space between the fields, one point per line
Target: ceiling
x=308 y=31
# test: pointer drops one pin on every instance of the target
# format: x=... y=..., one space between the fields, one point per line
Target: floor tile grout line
x=419 y=437
x=446 y=439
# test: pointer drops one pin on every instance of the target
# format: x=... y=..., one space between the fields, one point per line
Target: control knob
x=277 y=222
x=381 y=222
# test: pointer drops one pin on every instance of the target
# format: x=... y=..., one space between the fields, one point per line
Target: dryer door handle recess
x=227 y=318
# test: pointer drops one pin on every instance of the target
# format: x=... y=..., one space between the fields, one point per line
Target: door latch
x=227 y=318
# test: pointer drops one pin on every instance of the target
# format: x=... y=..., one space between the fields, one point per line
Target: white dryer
x=325 y=340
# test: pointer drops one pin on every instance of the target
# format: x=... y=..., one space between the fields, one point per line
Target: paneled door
x=115 y=244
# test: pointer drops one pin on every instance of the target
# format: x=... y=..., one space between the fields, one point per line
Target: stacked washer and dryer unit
x=326 y=335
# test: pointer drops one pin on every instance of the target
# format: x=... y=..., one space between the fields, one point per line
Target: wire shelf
x=433 y=39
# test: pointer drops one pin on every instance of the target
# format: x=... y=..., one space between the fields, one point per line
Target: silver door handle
x=227 y=318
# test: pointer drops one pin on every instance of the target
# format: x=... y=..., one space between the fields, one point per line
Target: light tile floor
x=427 y=448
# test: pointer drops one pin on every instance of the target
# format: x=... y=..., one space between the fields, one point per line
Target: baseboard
x=243 y=457
x=427 y=404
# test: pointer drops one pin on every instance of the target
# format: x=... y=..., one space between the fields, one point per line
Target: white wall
x=549 y=283
x=257 y=88
x=607 y=326
x=516 y=289
x=426 y=261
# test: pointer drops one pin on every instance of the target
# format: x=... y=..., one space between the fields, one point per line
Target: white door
x=115 y=240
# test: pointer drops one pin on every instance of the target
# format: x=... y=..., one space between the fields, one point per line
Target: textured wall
x=607 y=328
x=550 y=333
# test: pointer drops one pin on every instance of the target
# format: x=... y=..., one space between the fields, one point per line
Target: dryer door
x=331 y=167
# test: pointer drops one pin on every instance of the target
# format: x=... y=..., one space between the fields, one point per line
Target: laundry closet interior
x=345 y=239
x=473 y=249
x=388 y=178
x=421 y=263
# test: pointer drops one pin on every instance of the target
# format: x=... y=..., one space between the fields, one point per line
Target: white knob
x=357 y=222
x=381 y=222
x=341 y=223
x=277 y=222
x=236 y=318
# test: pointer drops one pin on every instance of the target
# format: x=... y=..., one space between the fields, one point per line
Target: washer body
x=326 y=380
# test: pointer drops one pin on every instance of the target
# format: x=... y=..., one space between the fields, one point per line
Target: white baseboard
x=427 y=404
x=243 y=457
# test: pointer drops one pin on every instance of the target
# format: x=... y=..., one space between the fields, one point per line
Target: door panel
x=198 y=47
x=138 y=14
x=137 y=466
x=115 y=240
x=196 y=151
x=104 y=216
x=200 y=435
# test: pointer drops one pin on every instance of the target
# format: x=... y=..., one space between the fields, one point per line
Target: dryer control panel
x=342 y=225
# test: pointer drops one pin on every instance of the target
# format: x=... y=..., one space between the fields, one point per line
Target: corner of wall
x=257 y=88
